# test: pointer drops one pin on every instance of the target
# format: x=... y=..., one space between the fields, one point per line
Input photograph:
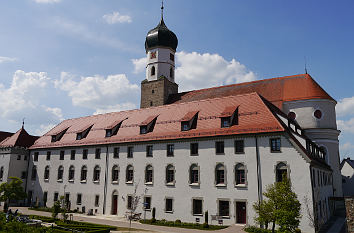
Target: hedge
x=180 y=224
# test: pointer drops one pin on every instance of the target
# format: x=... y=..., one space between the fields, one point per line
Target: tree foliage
x=280 y=208
x=12 y=190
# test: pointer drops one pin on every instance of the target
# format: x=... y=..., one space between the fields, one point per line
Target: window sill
x=114 y=182
x=225 y=217
x=200 y=215
x=171 y=183
x=241 y=185
x=275 y=151
x=129 y=182
x=78 y=204
x=148 y=183
x=194 y=154
x=169 y=211
x=220 y=185
x=239 y=153
x=60 y=181
x=147 y=210
x=194 y=184
x=220 y=153
x=45 y=180
x=83 y=181
x=96 y=181
x=170 y=155
x=71 y=181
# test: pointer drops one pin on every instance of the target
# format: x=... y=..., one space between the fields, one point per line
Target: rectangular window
x=224 y=208
x=219 y=147
x=98 y=153
x=84 y=154
x=172 y=57
x=23 y=175
x=79 y=199
x=62 y=155
x=239 y=147
x=194 y=148
x=35 y=157
x=225 y=122
x=149 y=151
x=18 y=157
x=130 y=202
x=170 y=150
x=185 y=126
x=130 y=152
x=48 y=155
x=45 y=198
x=116 y=153
x=56 y=195
x=240 y=176
x=97 y=200
x=169 y=205
x=143 y=129
x=72 y=155
x=275 y=145
x=25 y=158
x=147 y=203
x=197 y=207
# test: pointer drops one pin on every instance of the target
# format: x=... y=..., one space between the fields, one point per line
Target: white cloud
x=24 y=99
x=44 y=129
x=116 y=17
x=47 y=1
x=7 y=59
x=346 y=126
x=115 y=108
x=139 y=65
x=345 y=106
x=101 y=94
x=196 y=71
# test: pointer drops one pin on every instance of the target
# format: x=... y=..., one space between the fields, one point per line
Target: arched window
x=153 y=71
x=60 y=173
x=34 y=173
x=96 y=173
x=1 y=173
x=115 y=174
x=240 y=174
x=129 y=175
x=148 y=174
x=281 y=172
x=324 y=153
x=170 y=174
x=71 y=173
x=171 y=72
x=220 y=174
x=46 y=173
x=83 y=174
x=194 y=174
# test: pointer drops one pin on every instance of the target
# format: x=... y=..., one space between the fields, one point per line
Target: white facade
x=161 y=62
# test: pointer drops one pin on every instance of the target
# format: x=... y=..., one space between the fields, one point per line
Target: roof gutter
x=259 y=177
x=105 y=182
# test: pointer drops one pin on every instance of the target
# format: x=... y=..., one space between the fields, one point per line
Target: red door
x=241 y=212
x=115 y=205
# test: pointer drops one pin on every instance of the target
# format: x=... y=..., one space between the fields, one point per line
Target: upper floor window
x=83 y=177
x=71 y=173
x=281 y=172
x=60 y=173
x=83 y=133
x=170 y=174
x=46 y=173
x=148 y=125
x=219 y=147
x=170 y=150
x=194 y=174
x=153 y=71
x=115 y=174
x=58 y=136
x=172 y=57
x=72 y=155
x=116 y=153
x=96 y=173
x=130 y=152
x=35 y=157
x=148 y=174
x=48 y=155
x=34 y=173
x=240 y=174
x=61 y=156
x=220 y=174
x=189 y=121
x=129 y=175
x=171 y=72
x=275 y=145
x=1 y=173
x=239 y=146
x=149 y=151
x=98 y=153
x=194 y=149
x=84 y=154
x=229 y=117
x=113 y=129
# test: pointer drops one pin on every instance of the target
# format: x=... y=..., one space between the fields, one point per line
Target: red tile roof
x=4 y=135
x=275 y=90
x=254 y=117
x=20 y=139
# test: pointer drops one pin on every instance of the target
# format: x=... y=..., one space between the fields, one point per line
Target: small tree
x=281 y=207
x=12 y=190
x=56 y=209
x=64 y=208
x=134 y=204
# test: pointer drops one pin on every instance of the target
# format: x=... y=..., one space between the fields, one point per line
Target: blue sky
x=61 y=59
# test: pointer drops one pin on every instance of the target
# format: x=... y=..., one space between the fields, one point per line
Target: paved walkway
x=121 y=222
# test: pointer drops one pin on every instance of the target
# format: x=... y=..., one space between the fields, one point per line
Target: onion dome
x=161 y=36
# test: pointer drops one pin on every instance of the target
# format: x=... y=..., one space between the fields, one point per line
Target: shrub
x=254 y=229
x=178 y=222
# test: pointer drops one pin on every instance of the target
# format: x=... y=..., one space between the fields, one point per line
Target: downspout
x=314 y=204
x=28 y=162
x=259 y=177
x=105 y=182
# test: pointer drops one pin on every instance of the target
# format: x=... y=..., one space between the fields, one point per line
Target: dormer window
x=189 y=121
x=58 y=136
x=148 y=125
x=229 y=117
x=113 y=129
x=83 y=133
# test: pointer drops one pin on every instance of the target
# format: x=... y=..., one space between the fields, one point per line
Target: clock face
x=152 y=55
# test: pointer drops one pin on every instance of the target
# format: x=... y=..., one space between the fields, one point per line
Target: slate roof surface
x=275 y=90
x=254 y=117
x=20 y=139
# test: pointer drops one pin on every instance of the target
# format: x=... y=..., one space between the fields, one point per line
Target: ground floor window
x=97 y=200
x=169 y=205
x=197 y=207
x=224 y=208
x=130 y=202
x=79 y=199
x=147 y=203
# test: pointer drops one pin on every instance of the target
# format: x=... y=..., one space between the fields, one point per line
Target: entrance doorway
x=115 y=203
x=241 y=212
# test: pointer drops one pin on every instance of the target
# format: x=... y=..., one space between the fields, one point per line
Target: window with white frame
x=96 y=173
x=170 y=174
x=197 y=207
x=60 y=173
x=281 y=172
x=224 y=208
x=129 y=175
x=115 y=174
x=46 y=173
x=83 y=174
x=169 y=205
x=220 y=174
x=240 y=174
x=34 y=173
x=1 y=173
x=194 y=174
x=148 y=174
x=71 y=173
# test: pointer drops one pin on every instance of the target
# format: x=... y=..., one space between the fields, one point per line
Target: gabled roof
x=349 y=161
x=4 y=135
x=20 y=139
x=275 y=90
x=254 y=117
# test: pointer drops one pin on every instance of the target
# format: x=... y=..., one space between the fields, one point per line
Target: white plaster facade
x=347 y=171
x=163 y=61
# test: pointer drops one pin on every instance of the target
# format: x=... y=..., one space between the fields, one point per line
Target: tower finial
x=23 y=123
x=305 y=65
x=162 y=9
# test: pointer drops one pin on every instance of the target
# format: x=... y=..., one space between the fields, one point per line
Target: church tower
x=160 y=46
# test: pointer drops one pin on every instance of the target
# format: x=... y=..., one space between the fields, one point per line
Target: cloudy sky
x=61 y=59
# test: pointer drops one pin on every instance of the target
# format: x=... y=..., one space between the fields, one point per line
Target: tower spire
x=162 y=7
